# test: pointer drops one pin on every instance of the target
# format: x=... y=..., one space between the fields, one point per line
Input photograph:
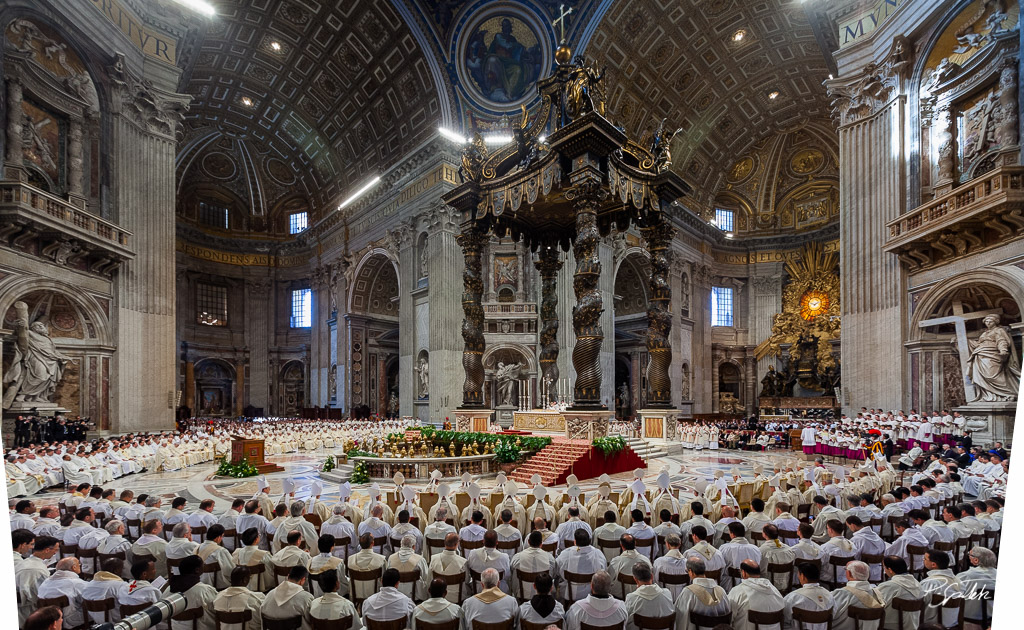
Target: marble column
x=319 y=338
x=548 y=264
x=472 y=242
x=341 y=348
x=76 y=159
x=144 y=145
x=258 y=306
x=240 y=387
x=704 y=389
x=586 y=316
x=189 y=387
x=566 y=336
x=659 y=319
x=403 y=237
x=445 y=268
x=15 y=122
x=766 y=303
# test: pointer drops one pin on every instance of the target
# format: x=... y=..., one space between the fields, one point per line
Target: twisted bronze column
x=548 y=265
x=472 y=243
x=659 y=320
x=586 y=315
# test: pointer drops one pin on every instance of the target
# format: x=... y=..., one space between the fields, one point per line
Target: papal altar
x=539 y=420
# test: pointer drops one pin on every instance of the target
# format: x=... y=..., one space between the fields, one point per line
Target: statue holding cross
x=990 y=363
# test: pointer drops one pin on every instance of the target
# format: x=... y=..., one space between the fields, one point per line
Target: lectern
x=252 y=451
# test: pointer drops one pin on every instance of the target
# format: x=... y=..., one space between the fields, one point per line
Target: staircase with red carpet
x=563 y=457
x=553 y=463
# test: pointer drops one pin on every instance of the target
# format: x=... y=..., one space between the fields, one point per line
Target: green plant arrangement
x=609 y=445
x=242 y=469
x=329 y=464
x=506 y=452
x=359 y=473
x=358 y=453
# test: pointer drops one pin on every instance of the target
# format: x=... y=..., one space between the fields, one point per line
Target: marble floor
x=687 y=470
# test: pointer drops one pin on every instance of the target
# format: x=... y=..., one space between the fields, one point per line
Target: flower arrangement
x=329 y=464
x=609 y=445
x=359 y=473
x=358 y=453
x=506 y=452
x=242 y=469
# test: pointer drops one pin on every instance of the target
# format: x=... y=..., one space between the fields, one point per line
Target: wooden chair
x=613 y=545
x=373 y=575
x=943 y=604
x=986 y=609
x=498 y=625
x=709 y=621
x=103 y=557
x=379 y=542
x=550 y=547
x=587 y=626
x=288 y=623
x=787 y=535
x=140 y=557
x=758 y=619
x=343 y=543
x=454 y=625
x=674 y=579
x=133 y=528
x=280 y=573
x=803 y=511
x=409 y=577
x=343 y=623
x=781 y=568
x=992 y=539
x=127 y=610
x=191 y=614
x=715 y=575
x=625 y=579
x=257 y=571
x=392 y=624
x=435 y=545
x=505 y=546
x=396 y=543
x=474 y=577
x=876 y=522
x=524 y=577
x=61 y=601
x=232 y=535
x=174 y=563
x=837 y=567
x=802 y=617
x=889 y=534
x=862 y=615
x=642 y=546
x=654 y=623
x=914 y=551
x=199 y=532
x=241 y=617
x=575 y=578
x=454 y=579
x=104 y=607
x=88 y=554
x=66 y=551
x=872 y=559
x=905 y=606
x=468 y=546
x=524 y=624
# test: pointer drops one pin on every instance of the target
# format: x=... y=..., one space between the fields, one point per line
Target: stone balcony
x=46 y=225
x=982 y=213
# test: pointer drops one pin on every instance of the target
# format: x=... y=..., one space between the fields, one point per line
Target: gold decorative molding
x=239 y=259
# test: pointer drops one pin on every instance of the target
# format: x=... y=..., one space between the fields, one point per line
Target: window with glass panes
x=721 y=306
x=211 y=304
x=302 y=308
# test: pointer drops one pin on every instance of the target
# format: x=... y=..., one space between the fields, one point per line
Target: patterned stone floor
x=196 y=483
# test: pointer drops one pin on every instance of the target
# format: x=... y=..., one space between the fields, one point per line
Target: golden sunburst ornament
x=812 y=304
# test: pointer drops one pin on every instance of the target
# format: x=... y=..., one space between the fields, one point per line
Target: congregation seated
x=542 y=607
x=490 y=605
x=599 y=608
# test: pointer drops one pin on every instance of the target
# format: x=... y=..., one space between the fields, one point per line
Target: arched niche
x=292 y=388
x=215 y=388
x=507 y=354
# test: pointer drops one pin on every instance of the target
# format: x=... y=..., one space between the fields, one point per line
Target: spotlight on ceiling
x=199 y=6
x=739 y=35
x=498 y=139
x=275 y=46
x=359 y=193
x=728 y=235
x=542 y=139
x=774 y=94
x=246 y=101
x=451 y=135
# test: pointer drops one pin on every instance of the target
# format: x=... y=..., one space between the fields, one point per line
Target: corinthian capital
x=152 y=110
x=864 y=93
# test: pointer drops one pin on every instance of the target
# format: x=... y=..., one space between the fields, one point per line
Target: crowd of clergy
x=868 y=548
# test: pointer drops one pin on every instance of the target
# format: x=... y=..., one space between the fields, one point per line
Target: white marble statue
x=423 y=370
x=37 y=366
x=506 y=377
x=993 y=364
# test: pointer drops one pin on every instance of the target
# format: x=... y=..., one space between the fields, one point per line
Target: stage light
x=359 y=193
x=498 y=139
x=451 y=135
x=198 y=6
x=739 y=35
x=246 y=101
x=774 y=94
x=275 y=46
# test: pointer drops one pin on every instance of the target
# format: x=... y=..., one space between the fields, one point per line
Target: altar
x=539 y=420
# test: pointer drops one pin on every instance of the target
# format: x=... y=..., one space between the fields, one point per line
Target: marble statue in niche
x=423 y=371
x=37 y=366
x=506 y=376
x=992 y=363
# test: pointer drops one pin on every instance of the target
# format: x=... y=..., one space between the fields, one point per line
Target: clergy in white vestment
x=437 y=609
x=598 y=608
x=774 y=551
x=574 y=492
x=66 y=582
x=859 y=593
x=738 y=549
x=754 y=593
x=180 y=545
x=838 y=547
x=582 y=558
x=978 y=579
x=642 y=533
x=542 y=607
x=251 y=518
x=899 y=585
x=406 y=560
x=825 y=514
x=598 y=505
x=290 y=598
x=31 y=572
x=648 y=599
x=533 y=559
x=510 y=538
x=153 y=544
x=229 y=520
x=326 y=562
x=249 y=554
x=541 y=507
x=672 y=563
x=810 y=596
x=566 y=531
x=488 y=557
x=141 y=589
x=909 y=535
x=491 y=605
x=238 y=598
x=696 y=518
x=941 y=581
x=702 y=595
x=404 y=527
x=437 y=531
x=108 y=582
x=346 y=542
x=330 y=605
x=866 y=541
x=188 y=584
x=212 y=552
x=449 y=562
x=388 y=603
x=295 y=522
x=475 y=531
x=622 y=565
x=475 y=506
x=365 y=560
